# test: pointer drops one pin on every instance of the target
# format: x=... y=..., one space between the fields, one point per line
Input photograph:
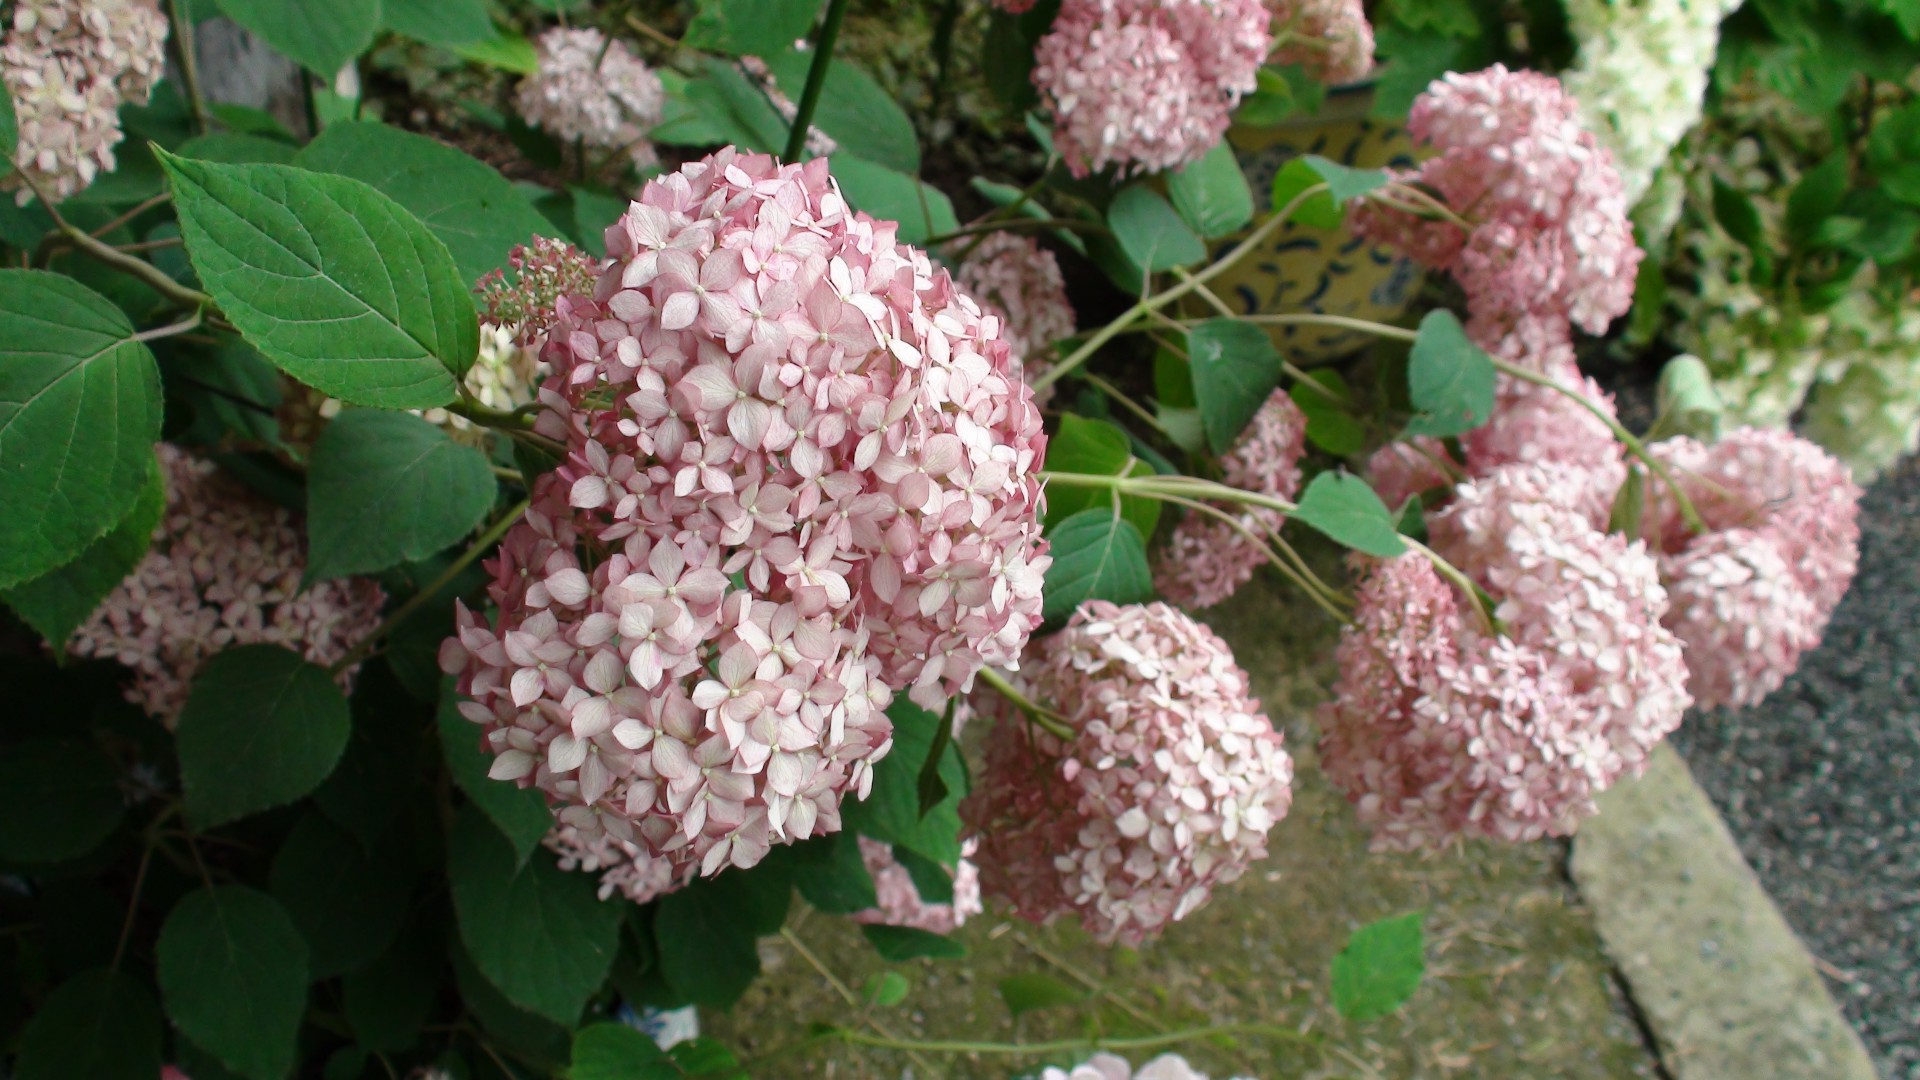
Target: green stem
x=1305 y=581
x=1183 y=486
x=400 y=614
x=1128 y=404
x=1342 y=322
x=1628 y=438
x=1461 y=581
x=138 y=209
x=189 y=64
x=1159 y=300
x=154 y=277
x=1055 y=724
x=816 y=78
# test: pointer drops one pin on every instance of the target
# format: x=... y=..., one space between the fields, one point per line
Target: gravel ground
x=1819 y=784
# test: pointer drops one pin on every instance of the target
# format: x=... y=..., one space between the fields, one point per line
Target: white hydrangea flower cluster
x=1853 y=368
x=69 y=65
x=1641 y=74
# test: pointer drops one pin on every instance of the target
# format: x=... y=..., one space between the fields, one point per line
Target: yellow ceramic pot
x=1304 y=269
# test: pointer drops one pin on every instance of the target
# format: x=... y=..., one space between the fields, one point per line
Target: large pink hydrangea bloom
x=1167 y=789
x=1207 y=560
x=1019 y=281
x=1550 y=245
x=1439 y=729
x=1331 y=39
x=224 y=570
x=1754 y=592
x=1143 y=85
x=800 y=476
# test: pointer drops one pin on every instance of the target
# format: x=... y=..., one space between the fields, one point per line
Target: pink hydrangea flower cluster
x=1019 y=281
x=1439 y=729
x=800 y=476
x=69 y=65
x=1167 y=789
x=1143 y=85
x=624 y=867
x=594 y=91
x=899 y=899
x=544 y=271
x=1207 y=560
x=1331 y=39
x=1550 y=245
x=1530 y=424
x=1105 y=1066
x=224 y=570
x=1754 y=592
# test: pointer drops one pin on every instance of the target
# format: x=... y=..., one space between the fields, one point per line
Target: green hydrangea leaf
x=233 y=975
x=261 y=728
x=80 y=411
x=334 y=282
x=1380 y=967
x=99 y=1023
x=540 y=935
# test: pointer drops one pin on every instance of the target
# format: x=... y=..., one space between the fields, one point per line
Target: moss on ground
x=1516 y=984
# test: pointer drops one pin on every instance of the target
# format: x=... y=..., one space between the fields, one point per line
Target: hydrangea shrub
x=457 y=601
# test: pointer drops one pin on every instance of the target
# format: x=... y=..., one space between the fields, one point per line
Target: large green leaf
x=1235 y=368
x=891 y=811
x=1212 y=194
x=321 y=35
x=854 y=109
x=9 y=131
x=1323 y=398
x=1343 y=507
x=704 y=933
x=346 y=901
x=1095 y=448
x=474 y=210
x=611 y=1051
x=1380 y=968
x=1033 y=990
x=751 y=27
x=1097 y=555
x=447 y=23
x=717 y=107
x=922 y=210
x=233 y=975
x=520 y=814
x=1150 y=232
x=331 y=280
x=1316 y=211
x=1449 y=378
x=540 y=935
x=261 y=728
x=385 y=488
x=100 y=1024
x=830 y=873
x=1344 y=181
x=55 y=604
x=389 y=1001
x=59 y=799
x=79 y=414
x=899 y=943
